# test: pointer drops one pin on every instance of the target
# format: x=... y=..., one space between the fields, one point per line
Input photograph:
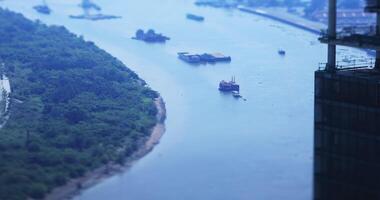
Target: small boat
x=281 y=52
x=195 y=17
x=236 y=94
x=43 y=9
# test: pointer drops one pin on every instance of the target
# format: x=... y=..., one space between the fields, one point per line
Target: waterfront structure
x=347 y=116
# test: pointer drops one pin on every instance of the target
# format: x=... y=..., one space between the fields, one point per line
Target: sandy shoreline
x=75 y=186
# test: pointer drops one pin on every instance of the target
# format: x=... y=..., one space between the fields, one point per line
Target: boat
x=195 y=17
x=190 y=58
x=43 y=8
x=218 y=57
x=89 y=8
x=150 y=36
x=236 y=94
x=281 y=52
x=87 y=5
x=203 y=58
x=94 y=17
x=229 y=86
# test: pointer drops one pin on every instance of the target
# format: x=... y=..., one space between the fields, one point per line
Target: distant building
x=347 y=17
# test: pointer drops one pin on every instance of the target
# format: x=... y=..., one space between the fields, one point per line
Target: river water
x=215 y=147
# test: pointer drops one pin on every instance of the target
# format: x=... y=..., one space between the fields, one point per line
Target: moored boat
x=229 y=86
x=195 y=17
x=236 y=94
x=203 y=58
x=150 y=36
x=43 y=9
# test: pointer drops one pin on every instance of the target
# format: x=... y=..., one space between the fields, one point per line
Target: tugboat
x=195 y=17
x=281 y=52
x=230 y=86
x=150 y=36
x=43 y=8
x=203 y=58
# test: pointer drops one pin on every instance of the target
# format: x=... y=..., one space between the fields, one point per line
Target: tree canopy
x=73 y=108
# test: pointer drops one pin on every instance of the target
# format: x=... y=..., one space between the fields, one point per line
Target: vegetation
x=74 y=107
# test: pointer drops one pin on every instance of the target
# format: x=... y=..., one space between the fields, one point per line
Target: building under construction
x=347 y=118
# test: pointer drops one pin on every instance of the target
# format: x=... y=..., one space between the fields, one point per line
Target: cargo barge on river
x=203 y=58
x=150 y=36
x=43 y=8
x=195 y=17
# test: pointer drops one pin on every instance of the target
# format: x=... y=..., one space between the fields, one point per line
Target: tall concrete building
x=347 y=118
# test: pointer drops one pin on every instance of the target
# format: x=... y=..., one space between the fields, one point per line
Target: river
x=215 y=147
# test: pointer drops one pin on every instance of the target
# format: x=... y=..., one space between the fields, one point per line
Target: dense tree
x=74 y=107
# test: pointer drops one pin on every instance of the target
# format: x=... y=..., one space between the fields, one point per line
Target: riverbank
x=76 y=186
x=280 y=15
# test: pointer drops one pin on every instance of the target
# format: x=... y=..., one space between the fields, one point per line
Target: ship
x=195 y=17
x=282 y=52
x=229 y=86
x=94 y=17
x=87 y=4
x=43 y=8
x=203 y=58
x=150 y=36
x=92 y=12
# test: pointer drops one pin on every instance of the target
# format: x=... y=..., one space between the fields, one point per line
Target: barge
x=43 y=9
x=150 y=36
x=195 y=17
x=203 y=58
x=94 y=17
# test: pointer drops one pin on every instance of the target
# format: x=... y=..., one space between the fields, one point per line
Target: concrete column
x=331 y=57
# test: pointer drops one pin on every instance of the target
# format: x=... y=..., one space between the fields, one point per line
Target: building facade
x=347 y=135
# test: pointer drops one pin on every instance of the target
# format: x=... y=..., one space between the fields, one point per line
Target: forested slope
x=73 y=108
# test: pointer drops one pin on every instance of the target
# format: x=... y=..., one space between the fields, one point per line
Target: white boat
x=236 y=94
